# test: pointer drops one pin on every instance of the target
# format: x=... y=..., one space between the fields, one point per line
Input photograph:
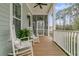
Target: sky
x=58 y=6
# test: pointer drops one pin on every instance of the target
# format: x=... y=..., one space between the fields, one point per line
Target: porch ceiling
x=37 y=10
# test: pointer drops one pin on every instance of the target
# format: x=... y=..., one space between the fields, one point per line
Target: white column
x=11 y=28
x=54 y=21
x=54 y=17
x=48 y=24
x=21 y=14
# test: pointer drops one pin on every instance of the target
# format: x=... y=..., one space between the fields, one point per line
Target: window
x=28 y=16
x=17 y=10
x=17 y=24
x=17 y=16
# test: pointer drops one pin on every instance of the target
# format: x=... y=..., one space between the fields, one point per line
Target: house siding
x=5 y=45
x=4 y=28
x=25 y=12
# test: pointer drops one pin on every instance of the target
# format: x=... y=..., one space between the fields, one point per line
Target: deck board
x=46 y=47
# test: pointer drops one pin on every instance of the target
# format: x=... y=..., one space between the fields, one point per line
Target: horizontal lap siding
x=25 y=21
x=4 y=28
x=24 y=17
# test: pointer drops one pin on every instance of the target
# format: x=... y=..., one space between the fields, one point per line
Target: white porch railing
x=68 y=41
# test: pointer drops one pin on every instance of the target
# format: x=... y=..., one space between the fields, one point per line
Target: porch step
x=26 y=54
x=22 y=52
x=10 y=54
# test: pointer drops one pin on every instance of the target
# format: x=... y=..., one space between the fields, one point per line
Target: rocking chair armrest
x=24 y=37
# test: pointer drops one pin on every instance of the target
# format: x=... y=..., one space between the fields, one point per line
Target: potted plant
x=23 y=34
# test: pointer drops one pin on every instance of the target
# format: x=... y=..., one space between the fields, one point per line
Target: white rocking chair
x=20 y=48
x=33 y=37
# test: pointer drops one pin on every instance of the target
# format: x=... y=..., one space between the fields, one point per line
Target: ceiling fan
x=40 y=5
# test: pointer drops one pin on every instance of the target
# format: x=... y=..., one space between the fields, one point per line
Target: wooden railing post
x=78 y=44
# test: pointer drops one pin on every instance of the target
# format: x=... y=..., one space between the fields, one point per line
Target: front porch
x=29 y=18
x=38 y=23
x=47 y=47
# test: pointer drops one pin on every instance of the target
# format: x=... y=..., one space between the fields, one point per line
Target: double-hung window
x=17 y=16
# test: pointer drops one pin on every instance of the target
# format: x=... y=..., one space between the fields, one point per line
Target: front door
x=40 y=28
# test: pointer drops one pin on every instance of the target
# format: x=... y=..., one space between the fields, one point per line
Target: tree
x=76 y=24
x=62 y=15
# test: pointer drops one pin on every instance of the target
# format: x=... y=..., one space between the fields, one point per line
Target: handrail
x=67 y=30
x=68 y=40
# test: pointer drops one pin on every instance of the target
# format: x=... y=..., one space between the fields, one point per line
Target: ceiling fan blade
x=35 y=6
x=40 y=6
x=43 y=4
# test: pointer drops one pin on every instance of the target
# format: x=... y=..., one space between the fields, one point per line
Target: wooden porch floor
x=46 y=47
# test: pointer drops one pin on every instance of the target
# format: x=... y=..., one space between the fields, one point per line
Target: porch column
x=54 y=21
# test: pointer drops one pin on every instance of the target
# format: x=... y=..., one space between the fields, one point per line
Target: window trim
x=18 y=18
